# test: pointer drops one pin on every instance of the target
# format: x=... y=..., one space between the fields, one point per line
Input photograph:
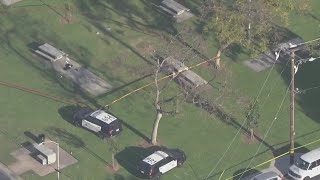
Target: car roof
x=266 y=175
x=155 y=157
x=103 y=116
x=311 y=156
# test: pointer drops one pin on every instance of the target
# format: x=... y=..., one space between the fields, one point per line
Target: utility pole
x=292 y=108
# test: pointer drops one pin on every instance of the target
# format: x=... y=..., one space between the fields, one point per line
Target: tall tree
x=248 y=23
x=184 y=48
x=253 y=116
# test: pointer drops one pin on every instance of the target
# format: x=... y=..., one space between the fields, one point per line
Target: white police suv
x=160 y=162
x=99 y=121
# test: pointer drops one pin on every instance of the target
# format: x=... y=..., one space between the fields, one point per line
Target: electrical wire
x=234 y=138
x=271 y=124
x=263 y=104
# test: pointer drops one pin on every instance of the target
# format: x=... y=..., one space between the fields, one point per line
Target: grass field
x=119 y=57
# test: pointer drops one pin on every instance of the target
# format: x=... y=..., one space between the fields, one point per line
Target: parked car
x=102 y=123
x=160 y=162
x=307 y=166
x=267 y=176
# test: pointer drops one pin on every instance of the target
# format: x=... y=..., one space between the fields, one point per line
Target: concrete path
x=8 y=3
x=267 y=59
x=85 y=79
x=6 y=174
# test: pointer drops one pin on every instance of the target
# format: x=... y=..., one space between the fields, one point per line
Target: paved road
x=6 y=174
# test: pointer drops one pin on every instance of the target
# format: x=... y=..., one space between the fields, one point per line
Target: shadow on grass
x=66 y=112
x=250 y=173
x=121 y=177
x=32 y=136
x=131 y=156
x=74 y=141
x=135 y=131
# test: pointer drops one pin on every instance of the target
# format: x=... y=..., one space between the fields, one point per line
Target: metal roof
x=155 y=157
x=103 y=116
x=311 y=156
x=178 y=8
x=47 y=48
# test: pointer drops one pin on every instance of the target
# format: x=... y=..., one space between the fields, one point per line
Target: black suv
x=99 y=121
x=160 y=162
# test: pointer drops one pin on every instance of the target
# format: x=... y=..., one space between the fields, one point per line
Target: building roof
x=266 y=176
x=155 y=157
x=174 y=6
x=56 y=53
x=190 y=76
x=311 y=156
x=103 y=116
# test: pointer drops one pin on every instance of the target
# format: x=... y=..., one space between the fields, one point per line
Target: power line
x=151 y=83
x=33 y=91
x=275 y=118
x=232 y=141
x=263 y=104
x=265 y=162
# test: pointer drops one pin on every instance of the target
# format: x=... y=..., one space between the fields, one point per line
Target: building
x=49 y=52
x=187 y=77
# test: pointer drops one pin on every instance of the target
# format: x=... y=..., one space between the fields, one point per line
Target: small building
x=187 y=77
x=175 y=10
x=46 y=155
x=49 y=52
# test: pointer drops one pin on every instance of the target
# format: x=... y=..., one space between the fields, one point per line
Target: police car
x=160 y=162
x=99 y=121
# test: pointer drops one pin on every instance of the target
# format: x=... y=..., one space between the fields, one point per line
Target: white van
x=307 y=166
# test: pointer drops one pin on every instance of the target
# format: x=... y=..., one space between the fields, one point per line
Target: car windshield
x=302 y=164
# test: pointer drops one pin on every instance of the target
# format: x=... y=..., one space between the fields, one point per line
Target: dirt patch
x=247 y=139
x=67 y=20
x=114 y=169
x=145 y=144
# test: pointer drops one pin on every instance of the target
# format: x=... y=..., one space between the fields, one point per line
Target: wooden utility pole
x=292 y=109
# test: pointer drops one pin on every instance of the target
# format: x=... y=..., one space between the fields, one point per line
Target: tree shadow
x=136 y=131
x=74 y=141
x=247 y=175
x=32 y=136
x=130 y=157
x=67 y=112
x=307 y=85
x=123 y=86
x=121 y=177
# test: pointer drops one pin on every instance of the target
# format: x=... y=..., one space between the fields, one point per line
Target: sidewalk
x=6 y=174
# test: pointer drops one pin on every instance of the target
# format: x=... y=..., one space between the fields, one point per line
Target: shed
x=47 y=153
x=188 y=77
x=49 y=52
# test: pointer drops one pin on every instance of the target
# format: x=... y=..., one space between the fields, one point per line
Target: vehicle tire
x=180 y=163
x=156 y=177
x=101 y=135
x=76 y=124
x=307 y=178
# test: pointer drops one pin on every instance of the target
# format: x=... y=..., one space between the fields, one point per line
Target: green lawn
x=118 y=57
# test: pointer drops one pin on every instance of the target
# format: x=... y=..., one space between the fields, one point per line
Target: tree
x=248 y=23
x=182 y=49
x=253 y=116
